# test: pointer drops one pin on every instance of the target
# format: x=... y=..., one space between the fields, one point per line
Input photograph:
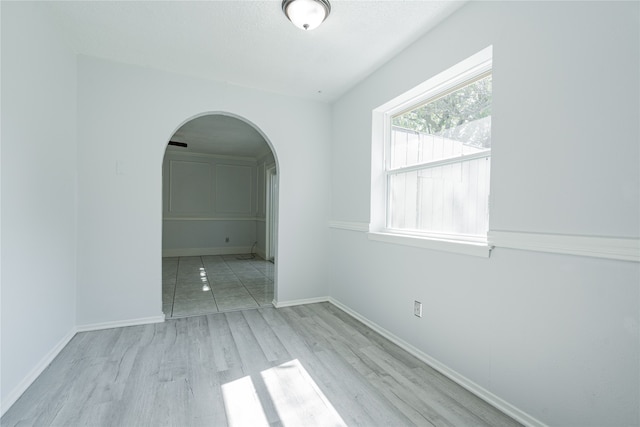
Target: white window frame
x=465 y=71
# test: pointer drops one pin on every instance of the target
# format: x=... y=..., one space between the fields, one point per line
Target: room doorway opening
x=220 y=217
x=271 y=213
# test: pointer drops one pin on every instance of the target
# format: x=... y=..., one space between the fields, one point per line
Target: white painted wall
x=555 y=335
x=206 y=200
x=127 y=114
x=38 y=195
x=207 y=237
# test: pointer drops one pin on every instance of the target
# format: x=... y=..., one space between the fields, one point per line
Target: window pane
x=455 y=124
x=450 y=199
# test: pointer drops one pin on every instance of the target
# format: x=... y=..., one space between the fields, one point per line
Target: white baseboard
x=474 y=388
x=280 y=304
x=15 y=394
x=463 y=381
x=222 y=250
x=120 y=323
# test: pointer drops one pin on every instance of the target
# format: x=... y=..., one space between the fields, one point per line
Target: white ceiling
x=220 y=135
x=250 y=43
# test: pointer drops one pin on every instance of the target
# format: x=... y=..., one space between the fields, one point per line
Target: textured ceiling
x=221 y=135
x=250 y=43
x=247 y=43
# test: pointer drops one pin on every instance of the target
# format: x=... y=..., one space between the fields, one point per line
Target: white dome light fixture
x=306 y=14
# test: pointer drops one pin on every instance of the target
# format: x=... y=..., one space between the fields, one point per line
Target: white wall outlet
x=417 y=308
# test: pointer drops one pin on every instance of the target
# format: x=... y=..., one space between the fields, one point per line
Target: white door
x=272 y=213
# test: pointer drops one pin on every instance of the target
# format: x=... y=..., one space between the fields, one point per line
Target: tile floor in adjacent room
x=199 y=285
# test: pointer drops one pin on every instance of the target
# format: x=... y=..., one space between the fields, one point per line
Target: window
x=438 y=164
x=434 y=167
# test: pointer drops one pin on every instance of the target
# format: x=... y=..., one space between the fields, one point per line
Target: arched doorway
x=219 y=234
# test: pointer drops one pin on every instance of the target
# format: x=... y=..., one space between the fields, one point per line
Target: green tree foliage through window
x=463 y=115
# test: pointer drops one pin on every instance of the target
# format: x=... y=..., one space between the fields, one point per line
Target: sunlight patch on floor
x=297 y=398
x=242 y=404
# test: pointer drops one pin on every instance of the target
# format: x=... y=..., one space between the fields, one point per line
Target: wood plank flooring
x=310 y=365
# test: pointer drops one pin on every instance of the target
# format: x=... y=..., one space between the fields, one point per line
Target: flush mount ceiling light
x=306 y=14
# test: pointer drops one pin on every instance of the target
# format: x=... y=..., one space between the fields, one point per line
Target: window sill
x=482 y=250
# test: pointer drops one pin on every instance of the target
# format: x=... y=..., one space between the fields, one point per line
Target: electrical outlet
x=417 y=308
x=226 y=240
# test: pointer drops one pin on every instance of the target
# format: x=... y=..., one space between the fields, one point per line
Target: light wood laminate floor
x=310 y=365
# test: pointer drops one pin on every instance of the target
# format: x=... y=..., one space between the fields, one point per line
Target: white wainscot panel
x=189 y=187
x=233 y=189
